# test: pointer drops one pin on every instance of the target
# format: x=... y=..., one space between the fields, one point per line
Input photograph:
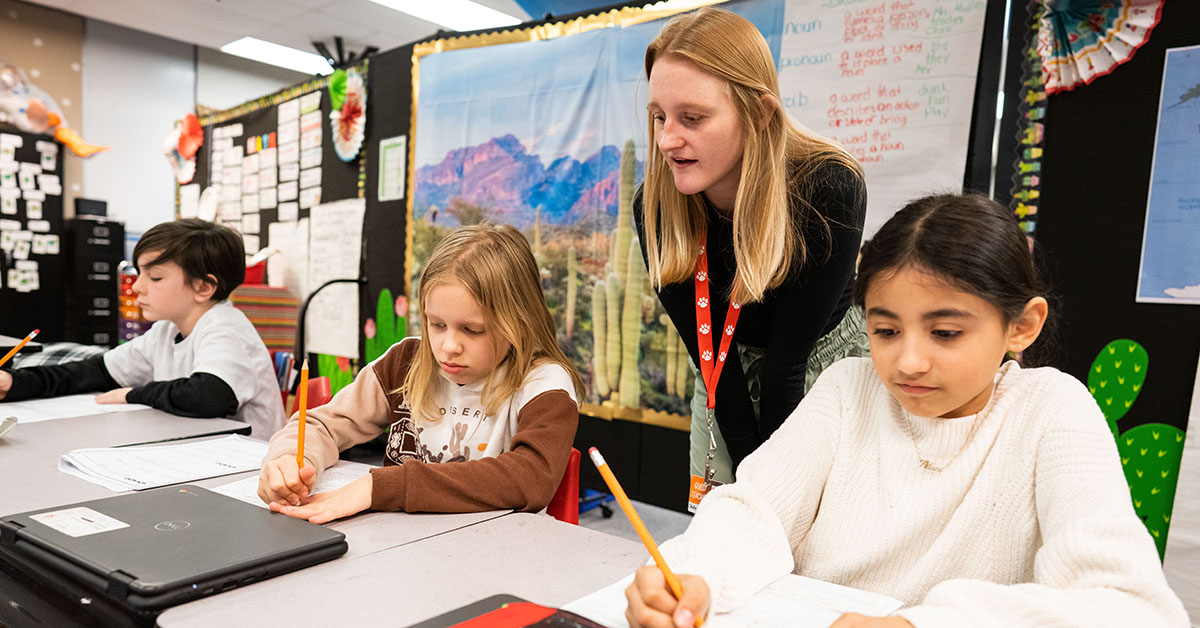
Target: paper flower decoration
x=191 y=136
x=350 y=121
x=337 y=89
x=183 y=166
x=1082 y=40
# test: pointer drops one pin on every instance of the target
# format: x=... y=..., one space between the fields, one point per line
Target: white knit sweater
x=1031 y=525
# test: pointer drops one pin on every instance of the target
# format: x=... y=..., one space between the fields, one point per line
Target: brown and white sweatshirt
x=513 y=459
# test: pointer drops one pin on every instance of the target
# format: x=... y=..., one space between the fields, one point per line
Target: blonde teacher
x=750 y=226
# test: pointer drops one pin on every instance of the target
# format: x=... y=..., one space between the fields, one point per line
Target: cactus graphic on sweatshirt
x=1150 y=453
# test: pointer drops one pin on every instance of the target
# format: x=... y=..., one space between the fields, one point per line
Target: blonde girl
x=485 y=385
x=780 y=212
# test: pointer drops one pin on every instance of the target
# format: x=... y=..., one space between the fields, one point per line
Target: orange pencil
x=302 y=401
x=638 y=526
x=18 y=347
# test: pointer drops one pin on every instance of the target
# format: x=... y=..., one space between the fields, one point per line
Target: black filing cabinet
x=95 y=246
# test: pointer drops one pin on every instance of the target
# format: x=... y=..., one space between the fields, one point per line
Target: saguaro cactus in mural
x=1150 y=453
x=631 y=330
x=572 y=289
x=599 y=348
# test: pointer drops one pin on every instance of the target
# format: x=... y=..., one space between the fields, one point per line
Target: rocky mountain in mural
x=511 y=184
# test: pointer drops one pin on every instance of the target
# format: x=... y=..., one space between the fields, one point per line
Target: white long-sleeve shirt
x=1031 y=525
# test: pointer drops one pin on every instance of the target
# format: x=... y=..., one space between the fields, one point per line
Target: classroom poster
x=1170 y=265
x=892 y=81
x=550 y=136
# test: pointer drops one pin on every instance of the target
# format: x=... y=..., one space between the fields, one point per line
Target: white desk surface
x=29 y=476
x=530 y=556
x=12 y=341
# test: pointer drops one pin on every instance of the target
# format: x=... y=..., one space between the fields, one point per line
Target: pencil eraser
x=597 y=459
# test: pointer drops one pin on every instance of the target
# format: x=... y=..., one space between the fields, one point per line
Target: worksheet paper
x=333 y=478
x=138 y=468
x=789 y=601
x=35 y=410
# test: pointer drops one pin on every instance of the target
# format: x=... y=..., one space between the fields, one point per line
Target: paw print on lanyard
x=704 y=329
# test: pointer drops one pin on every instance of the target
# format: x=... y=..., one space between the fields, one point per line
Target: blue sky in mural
x=588 y=91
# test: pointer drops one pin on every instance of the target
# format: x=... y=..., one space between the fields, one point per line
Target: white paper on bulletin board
x=335 y=252
x=289 y=267
x=891 y=80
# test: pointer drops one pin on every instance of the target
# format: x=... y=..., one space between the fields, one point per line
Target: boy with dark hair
x=202 y=357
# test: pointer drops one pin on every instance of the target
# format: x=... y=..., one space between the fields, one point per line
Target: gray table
x=531 y=556
x=29 y=475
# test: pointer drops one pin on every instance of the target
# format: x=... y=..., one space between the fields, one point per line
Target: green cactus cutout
x=631 y=331
x=388 y=327
x=1150 y=456
x=1116 y=378
x=599 y=349
x=1150 y=453
x=339 y=371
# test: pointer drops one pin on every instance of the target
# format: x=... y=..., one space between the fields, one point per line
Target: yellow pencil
x=302 y=401
x=638 y=526
x=18 y=347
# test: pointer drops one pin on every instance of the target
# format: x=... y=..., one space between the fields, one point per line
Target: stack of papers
x=63 y=408
x=137 y=468
x=333 y=478
x=789 y=601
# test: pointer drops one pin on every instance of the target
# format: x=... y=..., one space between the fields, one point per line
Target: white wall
x=224 y=81
x=135 y=86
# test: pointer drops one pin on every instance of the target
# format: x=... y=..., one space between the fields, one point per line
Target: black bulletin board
x=1099 y=142
x=339 y=179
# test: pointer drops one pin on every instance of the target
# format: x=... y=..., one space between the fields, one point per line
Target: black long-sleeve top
x=201 y=395
x=791 y=317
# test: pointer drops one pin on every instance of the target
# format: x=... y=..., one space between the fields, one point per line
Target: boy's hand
x=5 y=383
x=854 y=620
x=352 y=498
x=281 y=482
x=652 y=605
x=113 y=396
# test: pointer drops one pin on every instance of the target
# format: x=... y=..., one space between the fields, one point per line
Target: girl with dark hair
x=975 y=491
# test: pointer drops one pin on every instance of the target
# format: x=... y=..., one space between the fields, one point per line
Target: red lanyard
x=709 y=371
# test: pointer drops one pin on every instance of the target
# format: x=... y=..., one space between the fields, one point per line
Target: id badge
x=699 y=489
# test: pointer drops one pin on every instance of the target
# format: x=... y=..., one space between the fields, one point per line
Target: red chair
x=565 y=505
x=319 y=394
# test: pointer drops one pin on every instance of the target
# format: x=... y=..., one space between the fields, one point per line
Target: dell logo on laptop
x=169 y=526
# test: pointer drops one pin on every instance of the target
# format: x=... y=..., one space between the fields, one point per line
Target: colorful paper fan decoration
x=337 y=89
x=183 y=166
x=1081 y=40
x=191 y=136
x=350 y=121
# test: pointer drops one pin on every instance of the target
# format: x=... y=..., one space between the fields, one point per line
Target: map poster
x=1170 y=266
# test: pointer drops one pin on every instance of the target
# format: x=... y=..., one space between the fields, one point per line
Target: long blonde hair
x=767 y=241
x=494 y=263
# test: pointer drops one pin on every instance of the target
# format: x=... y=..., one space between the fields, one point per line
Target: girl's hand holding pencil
x=652 y=604
x=282 y=483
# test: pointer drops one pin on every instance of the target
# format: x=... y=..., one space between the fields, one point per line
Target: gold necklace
x=928 y=464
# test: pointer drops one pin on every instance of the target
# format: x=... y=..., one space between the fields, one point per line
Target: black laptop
x=149 y=550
